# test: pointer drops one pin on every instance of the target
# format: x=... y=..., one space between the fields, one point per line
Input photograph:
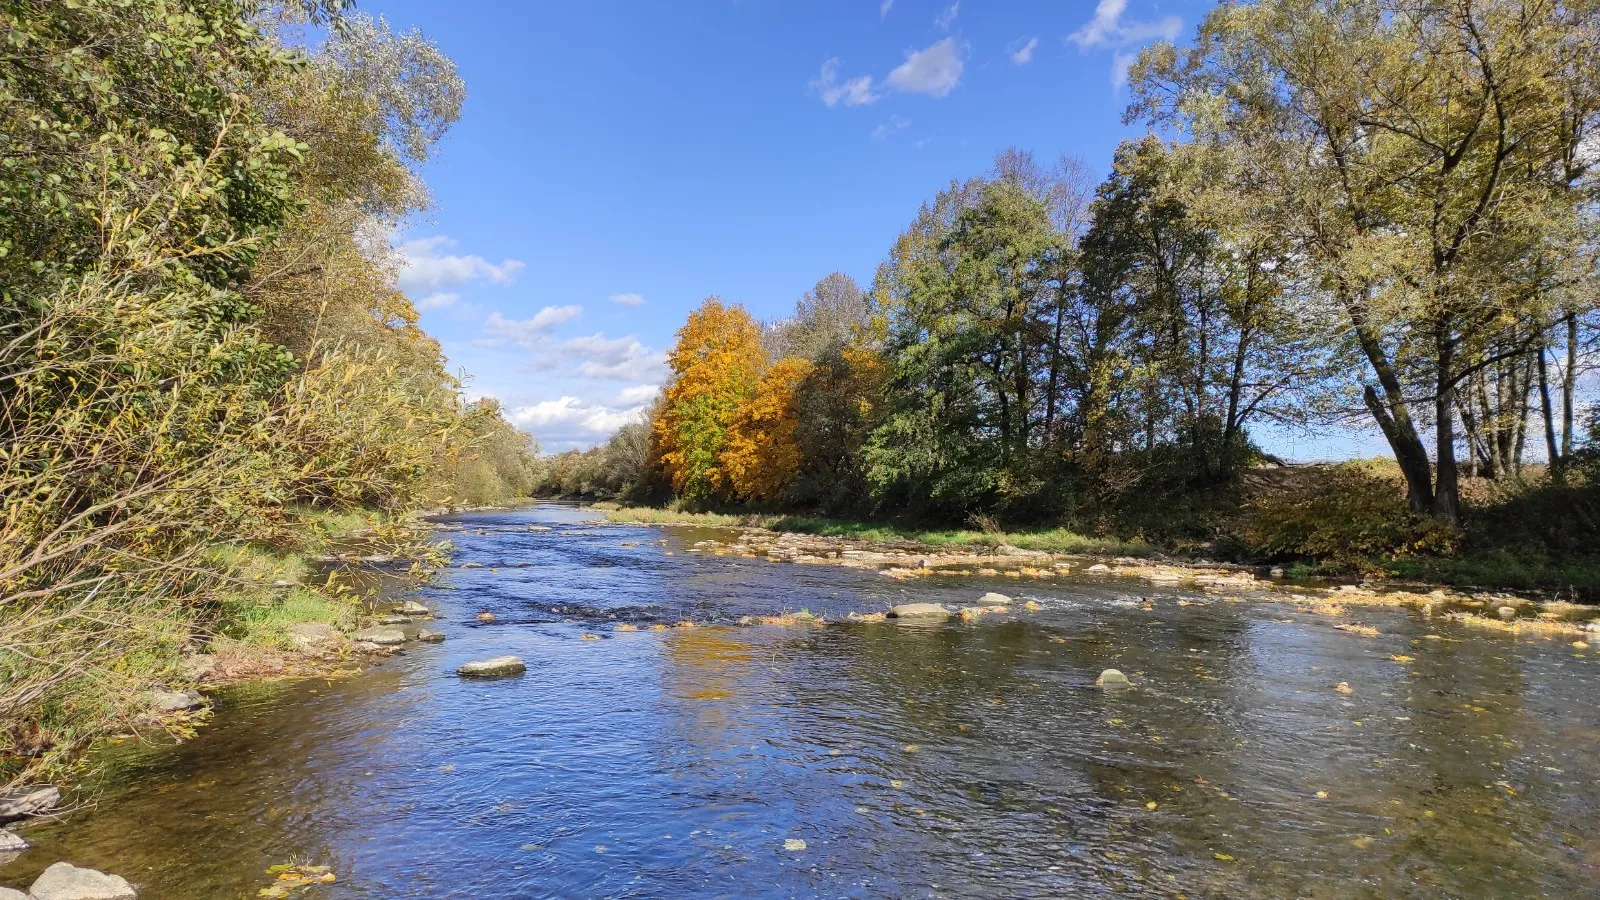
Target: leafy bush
x=1345 y=516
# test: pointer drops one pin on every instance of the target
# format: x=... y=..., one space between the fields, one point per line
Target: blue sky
x=617 y=162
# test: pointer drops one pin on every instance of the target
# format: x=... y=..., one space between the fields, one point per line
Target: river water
x=952 y=760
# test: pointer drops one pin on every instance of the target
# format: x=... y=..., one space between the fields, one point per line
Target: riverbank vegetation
x=1368 y=215
x=206 y=366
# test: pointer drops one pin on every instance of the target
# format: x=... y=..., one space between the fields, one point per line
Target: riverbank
x=909 y=554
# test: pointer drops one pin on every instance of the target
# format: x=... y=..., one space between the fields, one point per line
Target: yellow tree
x=716 y=367
x=763 y=454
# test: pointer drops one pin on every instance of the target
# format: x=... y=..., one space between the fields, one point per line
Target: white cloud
x=569 y=421
x=439 y=300
x=1120 y=64
x=854 y=92
x=884 y=7
x=424 y=266
x=947 y=18
x=525 y=332
x=934 y=71
x=639 y=393
x=623 y=359
x=628 y=299
x=886 y=129
x=1024 y=54
x=1107 y=29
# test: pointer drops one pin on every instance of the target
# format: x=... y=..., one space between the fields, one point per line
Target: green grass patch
x=262 y=618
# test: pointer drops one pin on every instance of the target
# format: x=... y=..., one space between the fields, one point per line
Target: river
x=950 y=760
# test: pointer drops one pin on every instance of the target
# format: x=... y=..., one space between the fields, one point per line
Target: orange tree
x=716 y=367
x=763 y=456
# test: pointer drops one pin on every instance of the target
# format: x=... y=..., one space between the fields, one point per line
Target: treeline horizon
x=1373 y=212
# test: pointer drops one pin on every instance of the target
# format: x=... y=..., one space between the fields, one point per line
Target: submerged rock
x=919 y=611
x=383 y=637
x=27 y=802
x=993 y=599
x=499 y=665
x=429 y=637
x=1113 y=679
x=471 y=565
x=64 y=881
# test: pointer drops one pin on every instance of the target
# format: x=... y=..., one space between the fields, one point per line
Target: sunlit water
x=949 y=760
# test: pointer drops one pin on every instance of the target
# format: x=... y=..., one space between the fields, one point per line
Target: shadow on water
x=911 y=760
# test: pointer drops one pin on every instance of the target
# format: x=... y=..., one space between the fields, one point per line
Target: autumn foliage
x=716 y=367
x=763 y=453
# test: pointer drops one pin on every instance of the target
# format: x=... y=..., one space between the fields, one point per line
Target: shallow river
x=951 y=760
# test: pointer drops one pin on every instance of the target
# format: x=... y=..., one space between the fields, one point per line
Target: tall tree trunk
x=1447 y=485
x=1394 y=419
x=1569 y=385
x=1550 y=448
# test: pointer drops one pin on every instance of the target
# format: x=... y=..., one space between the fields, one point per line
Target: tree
x=716 y=366
x=763 y=453
x=1413 y=154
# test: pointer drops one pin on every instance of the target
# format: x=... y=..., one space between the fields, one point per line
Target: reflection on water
x=912 y=760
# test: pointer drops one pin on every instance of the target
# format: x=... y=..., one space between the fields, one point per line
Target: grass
x=1503 y=569
x=1052 y=540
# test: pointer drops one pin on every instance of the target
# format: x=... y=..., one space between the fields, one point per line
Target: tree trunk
x=1447 y=486
x=1394 y=419
x=1550 y=447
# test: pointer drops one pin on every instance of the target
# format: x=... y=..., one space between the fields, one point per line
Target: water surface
x=912 y=760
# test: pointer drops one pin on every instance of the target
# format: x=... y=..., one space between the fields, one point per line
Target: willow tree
x=1412 y=152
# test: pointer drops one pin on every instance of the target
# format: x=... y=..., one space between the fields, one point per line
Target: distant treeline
x=200 y=329
x=1354 y=213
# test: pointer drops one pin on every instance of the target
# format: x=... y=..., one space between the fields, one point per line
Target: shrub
x=1345 y=516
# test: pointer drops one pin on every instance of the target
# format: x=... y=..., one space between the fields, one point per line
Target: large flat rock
x=64 y=881
x=26 y=802
x=919 y=611
x=498 y=665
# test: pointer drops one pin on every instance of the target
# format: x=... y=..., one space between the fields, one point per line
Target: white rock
x=10 y=841
x=1113 y=679
x=993 y=599
x=499 y=665
x=9 y=894
x=383 y=637
x=173 y=701
x=23 y=803
x=919 y=611
x=64 y=881
x=1098 y=567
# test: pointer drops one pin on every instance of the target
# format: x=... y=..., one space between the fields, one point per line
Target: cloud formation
x=526 y=332
x=438 y=300
x=934 y=71
x=1107 y=28
x=426 y=266
x=628 y=299
x=884 y=7
x=639 y=393
x=947 y=18
x=854 y=92
x=568 y=422
x=886 y=129
x=1024 y=54
x=622 y=359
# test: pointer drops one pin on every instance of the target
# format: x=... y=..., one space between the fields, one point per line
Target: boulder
x=164 y=701
x=309 y=637
x=993 y=599
x=919 y=611
x=10 y=894
x=429 y=637
x=413 y=608
x=499 y=665
x=383 y=637
x=1098 y=567
x=197 y=666
x=64 y=881
x=27 y=802
x=1111 y=679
